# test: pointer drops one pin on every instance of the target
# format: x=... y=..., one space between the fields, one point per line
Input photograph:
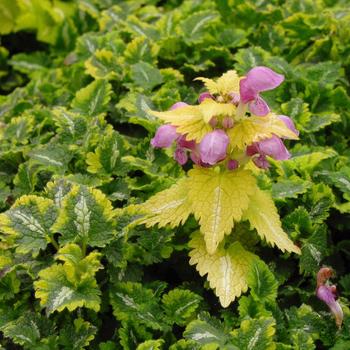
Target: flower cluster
x=328 y=294
x=214 y=147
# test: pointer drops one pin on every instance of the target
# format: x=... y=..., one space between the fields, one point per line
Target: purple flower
x=178 y=105
x=227 y=123
x=257 y=80
x=272 y=147
x=232 y=164
x=289 y=123
x=213 y=147
x=165 y=136
x=205 y=95
x=261 y=162
x=327 y=294
x=235 y=98
x=180 y=155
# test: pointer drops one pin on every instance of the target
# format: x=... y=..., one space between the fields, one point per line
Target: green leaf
x=297 y=110
x=78 y=335
x=140 y=49
x=203 y=332
x=321 y=120
x=255 y=334
x=9 y=10
x=86 y=216
x=151 y=345
x=314 y=250
x=71 y=284
x=145 y=75
x=133 y=302
x=262 y=283
x=289 y=188
x=29 y=221
x=340 y=179
x=249 y=58
x=180 y=305
x=94 y=98
x=195 y=27
x=26 y=178
x=28 y=329
x=29 y=63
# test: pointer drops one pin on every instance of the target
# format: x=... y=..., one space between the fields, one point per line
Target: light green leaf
x=180 y=305
x=297 y=110
x=145 y=75
x=9 y=11
x=289 y=188
x=262 y=283
x=255 y=334
x=71 y=284
x=140 y=49
x=29 y=221
x=94 y=98
x=103 y=64
x=151 y=345
x=321 y=120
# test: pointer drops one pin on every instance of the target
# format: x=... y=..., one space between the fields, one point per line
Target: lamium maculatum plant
x=228 y=136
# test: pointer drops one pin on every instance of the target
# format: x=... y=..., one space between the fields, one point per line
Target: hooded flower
x=327 y=293
x=257 y=80
x=289 y=123
x=272 y=147
x=213 y=147
x=165 y=136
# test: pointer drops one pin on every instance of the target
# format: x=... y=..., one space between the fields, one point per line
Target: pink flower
x=165 y=136
x=180 y=155
x=227 y=123
x=178 y=105
x=257 y=80
x=213 y=147
x=232 y=164
x=272 y=147
x=327 y=293
x=205 y=95
x=289 y=123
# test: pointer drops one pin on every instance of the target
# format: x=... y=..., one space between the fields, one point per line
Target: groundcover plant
x=121 y=174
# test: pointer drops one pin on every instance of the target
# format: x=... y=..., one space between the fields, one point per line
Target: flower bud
x=326 y=294
x=213 y=122
x=165 y=136
x=289 y=123
x=178 y=105
x=213 y=147
x=232 y=164
x=204 y=95
x=180 y=155
x=273 y=147
x=227 y=123
x=261 y=162
x=235 y=98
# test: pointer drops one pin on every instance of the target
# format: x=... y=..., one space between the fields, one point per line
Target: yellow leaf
x=253 y=129
x=170 y=206
x=262 y=214
x=211 y=108
x=226 y=269
x=228 y=82
x=219 y=199
x=188 y=120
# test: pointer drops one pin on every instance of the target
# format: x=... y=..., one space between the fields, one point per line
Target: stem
x=83 y=247
x=54 y=243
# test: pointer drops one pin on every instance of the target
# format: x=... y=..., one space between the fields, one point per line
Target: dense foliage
x=77 y=81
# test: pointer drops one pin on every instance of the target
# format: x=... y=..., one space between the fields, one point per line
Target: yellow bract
x=262 y=215
x=253 y=129
x=193 y=121
x=219 y=199
x=226 y=269
x=228 y=82
x=168 y=207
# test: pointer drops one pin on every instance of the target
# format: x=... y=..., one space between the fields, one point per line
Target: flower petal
x=274 y=148
x=289 y=123
x=259 y=107
x=261 y=162
x=205 y=95
x=326 y=294
x=180 y=155
x=213 y=147
x=165 y=136
x=178 y=105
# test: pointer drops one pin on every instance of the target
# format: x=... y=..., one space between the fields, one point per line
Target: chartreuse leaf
x=170 y=206
x=193 y=121
x=219 y=199
x=103 y=64
x=254 y=129
x=86 y=216
x=71 y=284
x=29 y=221
x=9 y=10
x=57 y=190
x=226 y=269
x=262 y=283
x=227 y=83
x=78 y=335
x=151 y=345
x=93 y=98
x=131 y=301
x=255 y=334
x=263 y=216
x=180 y=305
x=184 y=344
x=141 y=49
